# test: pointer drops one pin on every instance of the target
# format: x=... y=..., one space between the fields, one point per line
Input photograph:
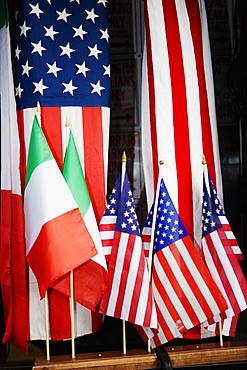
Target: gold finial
x=204 y=159
x=38 y=109
x=124 y=158
x=161 y=162
x=67 y=124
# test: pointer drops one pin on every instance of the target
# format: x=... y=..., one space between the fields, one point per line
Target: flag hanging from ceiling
x=178 y=108
x=62 y=61
x=128 y=295
x=13 y=275
x=183 y=288
x=57 y=240
x=90 y=278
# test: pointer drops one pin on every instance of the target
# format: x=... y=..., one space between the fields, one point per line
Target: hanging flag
x=90 y=278
x=57 y=240
x=13 y=276
x=184 y=291
x=217 y=241
x=128 y=295
x=178 y=106
x=70 y=78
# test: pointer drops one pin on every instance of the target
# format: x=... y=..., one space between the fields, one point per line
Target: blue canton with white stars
x=169 y=227
x=211 y=209
x=62 y=53
x=121 y=204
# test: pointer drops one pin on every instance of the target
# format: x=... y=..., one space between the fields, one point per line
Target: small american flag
x=183 y=289
x=128 y=295
x=220 y=257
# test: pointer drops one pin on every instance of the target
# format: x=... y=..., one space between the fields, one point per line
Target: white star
x=97 y=88
x=82 y=69
x=128 y=203
x=102 y=2
x=36 y=10
x=180 y=231
x=26 y=68
x=63 y=15
x=66 y=50
x=53 y=68
x=17 y=52
x=78 y=1
x=107 y=70
x=130 y=220
x=91 y=15
x=133 y=227
x=124 y=225
x=50 y=32
x=69 y=87
x=105 y=34
x=112 y=211
x=39 y=86
x=18 y=90
x=49 y=1
x=94 y=51
x=79 y=32
x=24 y=29
x=37 y=48
x=113 y=200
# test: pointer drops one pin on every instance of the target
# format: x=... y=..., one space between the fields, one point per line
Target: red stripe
x=165 y=328
x=21 y=128
x=51 y=125
x=180 y=115
x=94 y=158
x=152 y=110
x=195 y=27
x=13 y=260
x=107 y=227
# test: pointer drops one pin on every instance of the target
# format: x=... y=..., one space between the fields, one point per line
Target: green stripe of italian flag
x=57 y=239
x=91 y=278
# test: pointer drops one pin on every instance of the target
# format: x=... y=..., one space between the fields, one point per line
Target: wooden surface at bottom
x=187 y=355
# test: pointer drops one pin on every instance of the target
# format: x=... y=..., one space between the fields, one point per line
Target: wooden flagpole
x=124 y=161
x=47 y=328
x=72 y=304
x=150 y=255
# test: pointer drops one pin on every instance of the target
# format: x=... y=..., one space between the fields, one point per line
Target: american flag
x=184 y=291
x=178 y=110
x=62 y=62
x=128 y=295
x=217 y=241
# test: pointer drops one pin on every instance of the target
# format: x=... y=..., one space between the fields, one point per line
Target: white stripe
x=108 y=220
x=46 y=196
x=36 y=310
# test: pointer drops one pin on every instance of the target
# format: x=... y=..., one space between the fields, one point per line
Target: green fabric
x=4 y=17
x=73 y=174
x=38 y=151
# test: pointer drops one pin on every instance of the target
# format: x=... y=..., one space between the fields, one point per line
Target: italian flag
x=57 y=240
x=13 y=272
x=90 y=278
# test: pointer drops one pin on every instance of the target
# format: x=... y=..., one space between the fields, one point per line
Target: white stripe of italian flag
x=56 y=237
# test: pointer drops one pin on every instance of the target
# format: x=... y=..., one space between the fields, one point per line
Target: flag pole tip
x=124 y=158
x=161 y=162
x=204 y=159
x=38 y=109
x=67 y=124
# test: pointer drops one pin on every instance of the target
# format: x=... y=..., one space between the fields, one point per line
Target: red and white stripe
x=107 y=228
x=178 y=109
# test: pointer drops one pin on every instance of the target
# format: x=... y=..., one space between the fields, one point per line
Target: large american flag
x=62 y=62
x=178 y=110
x=184 y=290
x=128 y=295
x=217 y=242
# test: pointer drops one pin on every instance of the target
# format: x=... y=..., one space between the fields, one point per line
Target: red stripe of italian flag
x=55 y=232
